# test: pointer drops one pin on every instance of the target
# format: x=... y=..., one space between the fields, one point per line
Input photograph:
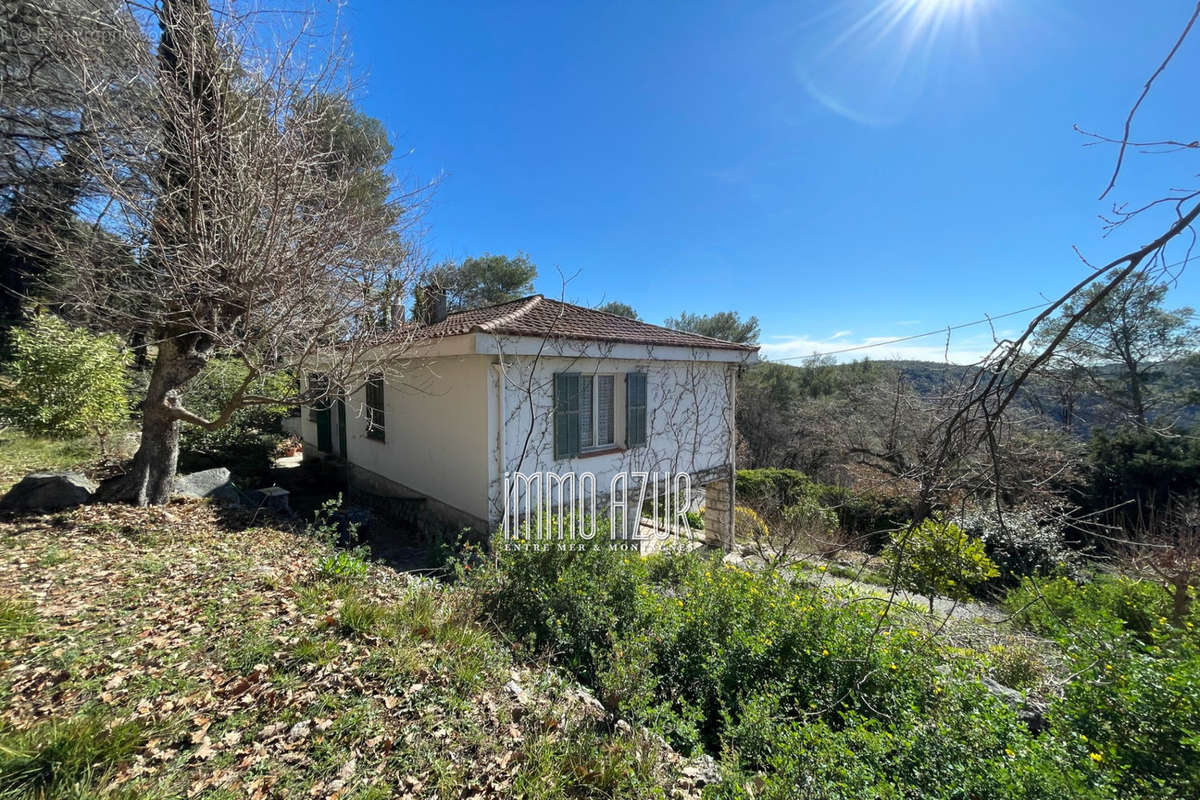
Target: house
x=536 y=386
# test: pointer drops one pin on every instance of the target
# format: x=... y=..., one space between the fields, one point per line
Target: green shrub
x=1135 y=706
x=938 y=558
x=1133 y=701
x=1019 y=542
x=246 y=445
x=782 y=487
x=1144 y=466
x=686 y=640
x=64 y=381
x=342 y=566
x=870 y=517
x=1111 y=604
x=347 y=561
x=806 y=696
x=964 y=744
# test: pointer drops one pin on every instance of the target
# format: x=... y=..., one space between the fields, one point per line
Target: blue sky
x=847 y=172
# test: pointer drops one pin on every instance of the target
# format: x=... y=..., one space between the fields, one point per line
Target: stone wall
x=719 y=500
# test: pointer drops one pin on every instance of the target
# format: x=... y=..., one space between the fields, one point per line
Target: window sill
x=379 y=439
x=601 y=451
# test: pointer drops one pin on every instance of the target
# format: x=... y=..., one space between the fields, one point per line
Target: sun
x=872 y=57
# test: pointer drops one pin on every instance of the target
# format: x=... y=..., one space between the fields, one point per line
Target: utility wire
x=946 y=329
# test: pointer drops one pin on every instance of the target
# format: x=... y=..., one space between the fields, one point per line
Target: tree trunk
x=152 y=477
x=1181 y=599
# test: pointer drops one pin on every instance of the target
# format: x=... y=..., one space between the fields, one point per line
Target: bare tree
x=252 y=236
x=976 y=419
x=1168 y=553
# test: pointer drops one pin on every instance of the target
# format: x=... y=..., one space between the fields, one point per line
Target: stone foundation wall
x=432 y=518
x=719 y=500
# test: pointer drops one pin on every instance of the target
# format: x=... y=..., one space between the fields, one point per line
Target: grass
x=172 y=652
x=16 y=617
x=21 y=454
x=53 y=759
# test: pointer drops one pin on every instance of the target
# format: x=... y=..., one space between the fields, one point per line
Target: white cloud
x=965 y=348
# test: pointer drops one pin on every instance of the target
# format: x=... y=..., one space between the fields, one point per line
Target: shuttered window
x=635 y=409
x=604 y=411
x=585 y=411
x=566 y=414
x=374 y=407
x=587 y=416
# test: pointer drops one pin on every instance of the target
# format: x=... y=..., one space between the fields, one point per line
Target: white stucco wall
x=436 y=430
x=457 y=421
x=689 y=419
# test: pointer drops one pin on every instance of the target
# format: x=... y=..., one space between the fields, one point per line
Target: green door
x=341 y=418
x=324 y=431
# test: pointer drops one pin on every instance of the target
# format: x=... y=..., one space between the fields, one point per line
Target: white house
x=536 y=386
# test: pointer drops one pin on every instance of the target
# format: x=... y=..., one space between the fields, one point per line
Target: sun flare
x=872 y=57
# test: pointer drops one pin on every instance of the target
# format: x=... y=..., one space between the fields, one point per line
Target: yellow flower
x=1009 y=753
x=1096 y=757
x=824 y=652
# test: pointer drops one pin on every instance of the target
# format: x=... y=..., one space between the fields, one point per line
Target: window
x=374 y=407
x=635 y=409
x=595 y=411
x=585 y=413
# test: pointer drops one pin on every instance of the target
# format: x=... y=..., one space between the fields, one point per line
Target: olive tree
x=254 y=234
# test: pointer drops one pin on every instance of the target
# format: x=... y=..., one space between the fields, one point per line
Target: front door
x=324 y=430
x=341 y=419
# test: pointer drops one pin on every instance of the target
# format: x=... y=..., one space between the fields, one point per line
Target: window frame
x=632 y=409
x=376 y=418
x=567 y=422
x=595 y=413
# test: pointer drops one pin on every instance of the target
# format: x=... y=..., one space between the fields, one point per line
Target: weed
x=49 y=759
x=16 y=618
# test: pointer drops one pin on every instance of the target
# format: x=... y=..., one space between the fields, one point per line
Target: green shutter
x=635 y=409
x=566 y=414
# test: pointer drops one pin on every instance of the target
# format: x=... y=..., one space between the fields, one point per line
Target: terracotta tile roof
x=539 y=316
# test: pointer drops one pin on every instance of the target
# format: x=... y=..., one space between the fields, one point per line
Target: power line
x=946 y=329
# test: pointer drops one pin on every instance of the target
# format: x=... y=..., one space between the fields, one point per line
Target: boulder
x=49 y=491
x=211 y=483
x=702 y=770
x=1028 y=711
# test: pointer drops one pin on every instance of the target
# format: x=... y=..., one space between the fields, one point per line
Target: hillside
x=934 y=379
x=184 y=652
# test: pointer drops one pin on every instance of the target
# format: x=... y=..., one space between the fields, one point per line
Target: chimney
x=396 y=314
x=431 y=304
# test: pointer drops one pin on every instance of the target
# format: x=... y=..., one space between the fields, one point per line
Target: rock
x=49 y=491
x=272 y=498
x=1010 y=696
x=585 y=704
x=212 y=483
x=1030 y=713
x=517 y=691
x=702 y=770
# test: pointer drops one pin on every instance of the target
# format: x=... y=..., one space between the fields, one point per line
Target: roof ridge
x=511 y=316
x=653 y=325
